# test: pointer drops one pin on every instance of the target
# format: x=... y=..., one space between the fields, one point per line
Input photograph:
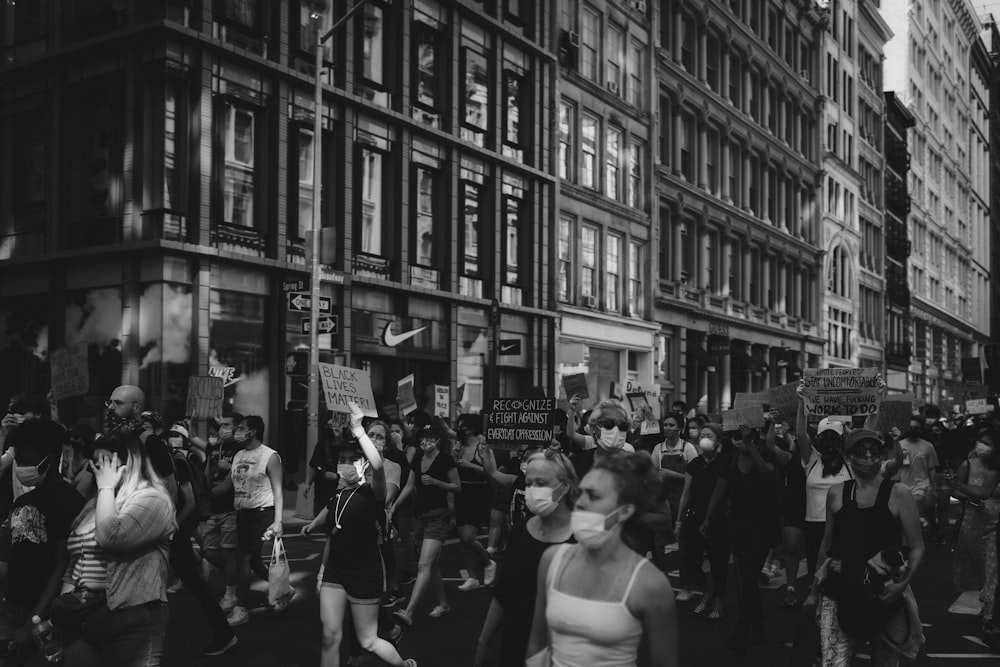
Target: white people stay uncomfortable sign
x=840 y=391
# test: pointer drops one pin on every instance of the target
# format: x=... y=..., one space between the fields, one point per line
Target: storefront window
x=238 y=338
x=601 y=366
x=94 y=317
x=165 y=346
x=24 y=345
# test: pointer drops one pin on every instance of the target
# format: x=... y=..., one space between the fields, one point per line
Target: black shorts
x=250 y=528
x=364 y=586
x=472 y=505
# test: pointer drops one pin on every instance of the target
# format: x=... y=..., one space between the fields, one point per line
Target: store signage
x=510 y=346
x=326 y=325
x=392 y=339
x=227 y=373
x=295 y=285
x=300 y=302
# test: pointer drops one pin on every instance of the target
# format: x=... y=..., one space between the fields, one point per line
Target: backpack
x=199 y=487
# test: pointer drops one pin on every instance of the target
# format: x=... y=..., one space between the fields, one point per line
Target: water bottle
x=45 y=637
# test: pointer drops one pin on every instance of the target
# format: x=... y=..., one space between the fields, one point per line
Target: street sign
x=295 y=285
x=327 y=325
x=299 y=302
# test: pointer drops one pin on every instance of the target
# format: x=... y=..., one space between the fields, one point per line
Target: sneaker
x=177 y=587
x=392 y=599
x=220 y=645
x=791 y=599
x=439 y=611
x=227 y=603
x=683 y=595
x=490 y=573
x=404 y=618
x=409 y=662
x=238 y=616
x=470 y=584
x=703 y=605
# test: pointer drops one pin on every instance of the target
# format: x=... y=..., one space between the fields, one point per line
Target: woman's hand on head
x=108 y=471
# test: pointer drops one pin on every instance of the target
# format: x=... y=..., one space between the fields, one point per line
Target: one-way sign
x=299 y=302
x=327 y=325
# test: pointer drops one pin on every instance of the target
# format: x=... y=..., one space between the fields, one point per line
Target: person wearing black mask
x=123 y=415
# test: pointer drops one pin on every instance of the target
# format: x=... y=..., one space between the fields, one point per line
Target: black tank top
x=860 y=533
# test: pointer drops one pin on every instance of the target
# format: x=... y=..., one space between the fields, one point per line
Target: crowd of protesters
x=98 y=522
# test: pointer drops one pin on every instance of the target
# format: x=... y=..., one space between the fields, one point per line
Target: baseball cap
x=827 y=424
x=859 y=435
x=179 y=430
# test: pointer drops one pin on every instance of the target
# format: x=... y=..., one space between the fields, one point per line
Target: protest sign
x=744 y=399
x=342 y=384
x=640 y=406
x=70 y=374
x=784 y=399
x=751 y=415
x=576 y=385
x=976 y=406
x=441 y=400
x=840 y=391
x=204 y=397
x=404 y=395
x=896 y=410
x=390 y=412
x=512 y=422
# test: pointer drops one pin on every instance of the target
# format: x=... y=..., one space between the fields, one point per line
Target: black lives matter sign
x=513 y=422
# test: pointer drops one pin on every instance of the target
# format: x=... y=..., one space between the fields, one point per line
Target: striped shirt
x=88 y=566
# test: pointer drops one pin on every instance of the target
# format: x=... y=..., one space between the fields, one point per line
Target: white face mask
x=591 y=528
x=706 y=445
x=539 y=500
x=983 y=450
x=611 y=438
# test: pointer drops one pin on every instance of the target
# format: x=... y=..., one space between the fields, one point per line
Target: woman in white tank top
x=597 y=599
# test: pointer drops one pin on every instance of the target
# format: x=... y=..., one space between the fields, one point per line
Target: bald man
x=123 y=415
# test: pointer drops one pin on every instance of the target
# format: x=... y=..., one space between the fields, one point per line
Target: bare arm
x=802 y=429
x=54 y=581
x=491 y=628
x=494 y=473
x=186 y=494
x=407 y=490
x=682 y=505
x=538 y=640
x=909 y=522
x=274 y=474
x=658 y=612
x=981 y=492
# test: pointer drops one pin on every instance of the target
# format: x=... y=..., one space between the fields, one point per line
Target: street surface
x=292 y=638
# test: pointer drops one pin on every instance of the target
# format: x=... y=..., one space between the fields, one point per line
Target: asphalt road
x=291 y=638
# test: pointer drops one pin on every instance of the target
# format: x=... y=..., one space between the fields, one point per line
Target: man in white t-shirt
x=918 y=473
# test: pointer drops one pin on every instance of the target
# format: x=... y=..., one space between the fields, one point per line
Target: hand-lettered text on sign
x=342 y=384
x=204 y=397
x=520 y=421
x=841 y=391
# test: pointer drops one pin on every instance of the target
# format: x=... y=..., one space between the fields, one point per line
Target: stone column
x=726 y=169
x=678 y=133
x=747 y=272
x=782 y=304
x=746 y=203
x=703 y=156
x=725 y=264
x=678 y=250
x=765 y=279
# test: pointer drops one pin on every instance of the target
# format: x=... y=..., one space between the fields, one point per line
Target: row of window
x=604 y=50
x=599 y=155
x=584 y=266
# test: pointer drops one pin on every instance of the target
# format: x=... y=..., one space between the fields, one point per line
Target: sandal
x=703 y=605
x=440 y=610
x=718 y=612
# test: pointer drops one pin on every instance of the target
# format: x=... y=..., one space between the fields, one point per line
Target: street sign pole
x=312 y=409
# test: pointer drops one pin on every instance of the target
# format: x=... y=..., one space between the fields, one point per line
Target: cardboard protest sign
x=895 y=410
x=441 y=400
x=204 y=397
x=70 y=374
x=342 y=384
x=752 y=416
x=404 y=395
x=576 y=385
x=976 y=406
x=744 y=399
x=639 y=405
x=840 y=391
x=784 y=399
x=513 y=422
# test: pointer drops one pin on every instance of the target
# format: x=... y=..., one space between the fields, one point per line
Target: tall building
x=935 y=67
x=603 y=160
x=156 y=193
x=851 y=77
x=898 y=324
x=991 y=38
x=738 y=196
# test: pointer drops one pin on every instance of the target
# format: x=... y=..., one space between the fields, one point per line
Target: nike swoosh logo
x=508 y=348
x=392 y=340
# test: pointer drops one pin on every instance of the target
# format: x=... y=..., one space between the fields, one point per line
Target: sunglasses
x=620 y=424
x=861 y=452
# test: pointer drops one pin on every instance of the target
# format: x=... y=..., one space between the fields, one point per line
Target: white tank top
x=590 y=632
x=251 y=485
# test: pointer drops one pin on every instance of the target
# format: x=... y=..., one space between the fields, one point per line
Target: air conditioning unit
x=613 y=87
x=589 y=301
x=805 y=75
x=639 y=6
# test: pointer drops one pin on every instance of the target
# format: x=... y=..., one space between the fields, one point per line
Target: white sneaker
x=490 y=573
x=227 y=602
x=238 y=616
x=470 y=584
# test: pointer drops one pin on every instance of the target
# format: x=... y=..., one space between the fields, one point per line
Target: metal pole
x=315 y=278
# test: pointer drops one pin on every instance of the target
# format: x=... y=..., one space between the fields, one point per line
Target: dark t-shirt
x=160 y=455
x=431 y=497
x=704 y=476
x=324 y=460
x=220 y=462
x=354 y=546
x=753 y=498
x=37 y=520
x=517 y=583
x=517 y=509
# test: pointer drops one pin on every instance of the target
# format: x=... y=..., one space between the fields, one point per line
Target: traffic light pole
x=316 y=276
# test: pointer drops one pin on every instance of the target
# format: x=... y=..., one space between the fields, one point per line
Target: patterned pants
x=838 y=649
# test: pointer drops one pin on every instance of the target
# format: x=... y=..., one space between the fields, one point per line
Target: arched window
x=839 y=275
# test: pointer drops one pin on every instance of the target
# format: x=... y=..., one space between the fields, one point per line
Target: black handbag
x=860 y=612
x=69 y=611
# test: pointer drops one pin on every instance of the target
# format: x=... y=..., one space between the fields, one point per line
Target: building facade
x=738 y=197
x=156 y=195
x=853 y=290
x=933 y=67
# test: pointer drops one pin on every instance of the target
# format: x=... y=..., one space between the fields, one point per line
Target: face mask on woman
x=591 y=529
x=540 y=501
x=706 y=445
x=348 y=473
x=29 y=475
x=611 y=438
x=983 y=450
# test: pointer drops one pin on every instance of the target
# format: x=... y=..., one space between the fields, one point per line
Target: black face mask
x=114 y=424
